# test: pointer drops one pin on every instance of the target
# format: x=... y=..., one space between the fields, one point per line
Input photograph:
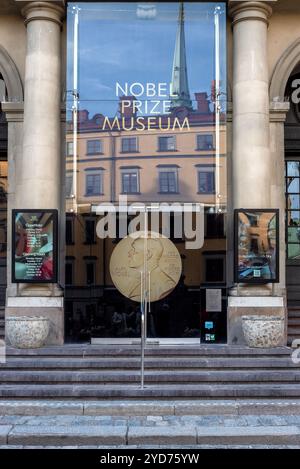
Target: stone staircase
x=171 y=372
x=293 y=324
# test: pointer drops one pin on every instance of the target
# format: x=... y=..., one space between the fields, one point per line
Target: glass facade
x=292 y=179
x=146 y=171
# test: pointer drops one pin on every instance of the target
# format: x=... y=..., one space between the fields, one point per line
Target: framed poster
x=256 y=233
x=34 y=246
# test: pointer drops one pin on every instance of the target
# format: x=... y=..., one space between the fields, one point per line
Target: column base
x=48 y=307
x=239 y=306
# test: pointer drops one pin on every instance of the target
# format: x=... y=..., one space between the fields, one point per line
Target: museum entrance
x=147 y=137
x=176 y=281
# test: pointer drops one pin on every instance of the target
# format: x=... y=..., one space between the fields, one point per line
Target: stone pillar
x=252 y=169
x=250 y=98
x=38 y=179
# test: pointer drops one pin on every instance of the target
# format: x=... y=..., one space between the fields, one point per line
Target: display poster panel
x=256 y=246
x=34 y=246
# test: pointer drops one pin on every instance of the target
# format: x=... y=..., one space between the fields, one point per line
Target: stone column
x=250 y=97
x=38 y=179
x=252 y=168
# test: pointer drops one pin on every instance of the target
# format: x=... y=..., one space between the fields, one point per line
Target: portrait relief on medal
x=139 y=259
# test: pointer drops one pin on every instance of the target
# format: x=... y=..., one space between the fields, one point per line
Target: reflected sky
x=117 y=43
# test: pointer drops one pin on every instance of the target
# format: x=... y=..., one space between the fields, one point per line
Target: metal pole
x=75 y=104
x=217 y=103
x=142 y=333
x=144 y=301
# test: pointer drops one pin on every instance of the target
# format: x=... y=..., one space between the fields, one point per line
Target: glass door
x=146 y=171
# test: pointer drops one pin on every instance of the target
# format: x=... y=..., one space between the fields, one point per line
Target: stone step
x=217 y=390
x=133 y=350
x=132 y=408
x=35 y=363
x=183 y=435
x=293 y=330
x=293 y=322
x=294 y=313
x=157 y=376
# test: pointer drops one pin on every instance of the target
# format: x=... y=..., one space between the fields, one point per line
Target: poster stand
x=34 y=246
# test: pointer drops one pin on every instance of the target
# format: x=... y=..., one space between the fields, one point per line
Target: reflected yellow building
x=149 y=166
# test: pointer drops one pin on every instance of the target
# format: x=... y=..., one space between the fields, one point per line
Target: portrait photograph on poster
x=256 y=245
x=34 y=253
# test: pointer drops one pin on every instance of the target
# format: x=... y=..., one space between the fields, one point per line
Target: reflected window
x=214 y=268
x=90 y=231
x=90 y=271
x=206 y=181
x=94 y=184
x=167 y=143
x=69 y=185
x=130 y=180
x=3 y=193
x=70 y=149
x=168 y=180
x=69 y=271
x=93 y=147
x=205 y=142
x=69 y=230
x=214 y=226
x=292 y=184
x=129 y=144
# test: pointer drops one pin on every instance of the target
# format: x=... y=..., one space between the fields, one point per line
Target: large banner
x=256 y=246
x=34 y=246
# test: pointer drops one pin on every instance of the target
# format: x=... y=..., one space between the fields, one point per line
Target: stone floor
x=206 y=424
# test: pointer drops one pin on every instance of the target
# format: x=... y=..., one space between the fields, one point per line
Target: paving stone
x=4 y=430
x=207 y=420
x=292 y=419
x=37 y=407
x=163 y=435
x=67 y=435
x=13 y=419
x=64 y=420
x=235 y=422
x=277 y=407
x=206 y=408
x=252 y=420
x=248 y=435
x=128 y=408
x=272 y=420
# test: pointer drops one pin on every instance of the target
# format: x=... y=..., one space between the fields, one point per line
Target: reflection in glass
x=256 y=249
x=146 y=118
x=293 y=168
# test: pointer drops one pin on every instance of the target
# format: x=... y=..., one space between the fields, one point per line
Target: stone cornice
x=250 y=10
x=14 y=111
x=278 y=111
x=43 y=11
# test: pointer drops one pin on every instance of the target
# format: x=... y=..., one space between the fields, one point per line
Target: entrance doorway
x=182 y=291
x=154 y=134
x=292 y=191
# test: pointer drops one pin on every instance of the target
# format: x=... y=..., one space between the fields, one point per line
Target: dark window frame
x=92 y=143
x=165 y=138
x=100 y=185
x=208 y=183
x=168 y=172
x=206 y=145
x=129 y=148
x=130 y=173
